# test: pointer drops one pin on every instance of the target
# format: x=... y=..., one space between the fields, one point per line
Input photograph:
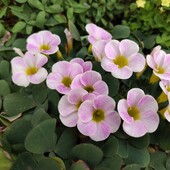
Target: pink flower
x=98 y=49
x=69 y=104
x=43 y=42
x=28 y=69
x=139 y=113
x=86 y=65
x=165 y=86
x=160 y=63
x=91 y=81
x=97 y=118
x=97 y=33
x=122 y=58
x=167 y=112
x=63 y=73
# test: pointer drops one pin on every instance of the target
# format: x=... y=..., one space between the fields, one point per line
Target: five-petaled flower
x=97 y=118
x=43 y=42
x=122 y=58
x=63 y=73
x=28 y=69
x=139 y=113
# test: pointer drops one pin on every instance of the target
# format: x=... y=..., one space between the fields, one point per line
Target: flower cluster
x=85 y=102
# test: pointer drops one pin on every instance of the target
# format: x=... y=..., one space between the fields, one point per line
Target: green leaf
x=39 y=93
x=4 y=70
x=37 y=4
x=114 y=162
x=74 y=31
x=25 y=161
x=20 y=43
x=21 y=1
x=40 y=19
x=89 y=153
x=120 y=31
x=39 y=116
x=123 y=148
x=42 y=138
x=19 y=26
x=70 y=14
x=79 y=8
x=29 y=29
x=16 y=103
x=54 y=9
x=60 y=18
x=79 y=165
x=18 y=131
x=48 y=163
x=4 y=88
x=158 y=160
x=168 y=163
x=110 y=147
x=141 y=142
x=5 y=162
x=3 y=11
x=132 y=167
x=2 y=30
x=21 y=15
x=66 y=142
x=138 y=156
x=149 y=42
x=113 y=84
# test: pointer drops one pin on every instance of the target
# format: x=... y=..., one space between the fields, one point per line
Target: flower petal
x=135 y=129
x=108 y=65
x=65 y=108
x=100 y=87
x=20 y=79
x=102 y=132
x=128 y=47
x=134 y=96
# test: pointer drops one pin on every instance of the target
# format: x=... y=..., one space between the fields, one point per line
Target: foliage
x=31 y=133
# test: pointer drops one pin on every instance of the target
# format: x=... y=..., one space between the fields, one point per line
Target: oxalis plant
x=95 y=104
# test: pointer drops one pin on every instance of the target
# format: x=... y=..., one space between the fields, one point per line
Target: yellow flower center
x=134 y=112
x=78 y=104
x=44 y=47
x=160 y=70
x=121 y=61
x=31 y=70
x=67 y=81
x=89 y=89
x=98 y=115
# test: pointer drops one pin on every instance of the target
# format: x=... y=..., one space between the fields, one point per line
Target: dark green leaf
x=132 y=167
x=4 y=88
x=20 y=15
x=60 y=18
x=18 y=131
x=120 y=31
x=110 y=147
x=79 y=165
x=16 y=103
x=158 y=160
x=89 y=153
x=56 y=9
x=138 y=156
x=48 y=163
x=66 y=142
x=19 y=26
x=112 y=83
x=168 y=163
x=21 y=1
x=2 y=30
x=123 y=148
x=42 y=138
x=25 y=161
x=74 y=31
x=20 y=43
x=39 y=116
x=3 y=11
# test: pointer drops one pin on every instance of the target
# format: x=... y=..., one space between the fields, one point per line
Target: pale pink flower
x=28 y=69
x=167 y=112
x=91 y=81
x=139 y=113
x=97 y=118
x=43 y=42
x=122 y=58
x=155 y=49
x=69 y=104
x=98 y=49
x=86 y=65
x=160 y=63
x=165 y=86
x=63 y=73
x=97 y=33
